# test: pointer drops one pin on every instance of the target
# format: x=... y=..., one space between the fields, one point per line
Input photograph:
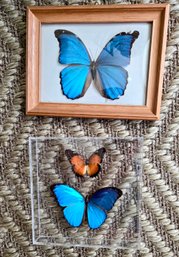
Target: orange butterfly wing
x=77 y=161
x=95 y=160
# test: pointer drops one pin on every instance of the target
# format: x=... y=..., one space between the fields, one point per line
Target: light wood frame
x=157 y=14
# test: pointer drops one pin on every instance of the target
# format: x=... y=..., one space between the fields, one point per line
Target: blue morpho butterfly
x=107 y=72
x=75 y=206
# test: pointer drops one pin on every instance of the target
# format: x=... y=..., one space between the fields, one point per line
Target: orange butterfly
x=81 y=167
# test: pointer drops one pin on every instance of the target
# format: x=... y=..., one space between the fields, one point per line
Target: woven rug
x=160 y=186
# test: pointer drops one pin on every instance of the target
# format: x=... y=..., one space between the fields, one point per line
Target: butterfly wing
x=76 y=77
x=96 y=216
x=95 y=160
x=77 y=161
x=117 y=51
x=72 y=201
x=100 y=202
x=75 y=80
x=111 y=81
x=72 y=49
x=111 y=77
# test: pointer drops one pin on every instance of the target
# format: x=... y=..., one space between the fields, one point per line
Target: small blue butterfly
x=107 y=72
x=74 y=204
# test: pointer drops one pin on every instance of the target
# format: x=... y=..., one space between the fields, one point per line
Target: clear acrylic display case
x=121 y=168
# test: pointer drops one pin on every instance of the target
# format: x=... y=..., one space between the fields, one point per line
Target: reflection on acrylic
x=108 y=72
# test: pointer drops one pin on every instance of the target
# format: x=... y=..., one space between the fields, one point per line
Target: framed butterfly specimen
x=96 y=61
x=107 y=71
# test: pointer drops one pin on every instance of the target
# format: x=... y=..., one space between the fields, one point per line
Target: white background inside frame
x=95 y=37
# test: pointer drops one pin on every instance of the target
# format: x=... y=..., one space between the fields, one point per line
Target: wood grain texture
x=156 y=14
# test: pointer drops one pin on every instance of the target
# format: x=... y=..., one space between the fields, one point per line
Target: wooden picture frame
x=155 y=14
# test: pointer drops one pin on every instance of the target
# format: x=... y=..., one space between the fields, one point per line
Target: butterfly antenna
x=96 y=53
x=97 y=49
x=91 y=54
x=99 y=46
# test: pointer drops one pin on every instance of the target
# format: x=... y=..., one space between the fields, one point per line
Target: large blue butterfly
x=74 y=204
x=107 y=72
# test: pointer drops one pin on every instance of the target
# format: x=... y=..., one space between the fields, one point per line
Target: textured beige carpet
x=160 y=206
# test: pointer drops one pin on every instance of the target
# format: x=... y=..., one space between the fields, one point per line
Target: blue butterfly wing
x=72 y=49
x=96 y=216
x=111 y=81
x=100 y=202
x=111 y=78
x=75 y=80
x=76 y=77
x=73 y=203
x=117 y=51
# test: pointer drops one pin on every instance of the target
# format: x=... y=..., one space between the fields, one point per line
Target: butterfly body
x=93 y=67
x=75 y=206
x=82 y=167
x=107 y=71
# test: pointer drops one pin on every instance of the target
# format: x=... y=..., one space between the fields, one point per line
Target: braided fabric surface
x=160 y=185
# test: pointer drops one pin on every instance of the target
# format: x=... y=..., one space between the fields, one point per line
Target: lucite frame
x=121 y=168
